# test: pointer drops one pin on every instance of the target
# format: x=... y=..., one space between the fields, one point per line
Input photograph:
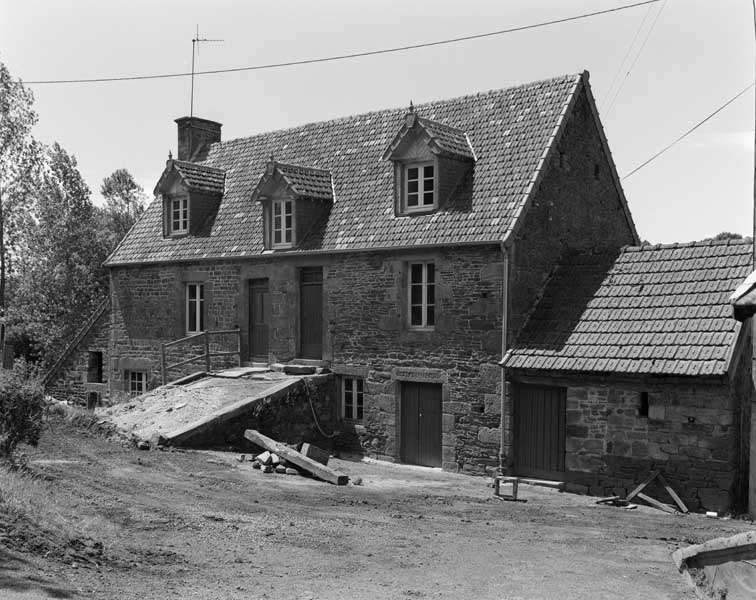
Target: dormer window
x=428 y=157
x=191 y=195
x=179 y=222
x=283 y=223
x=295 y=203
x=419 y=190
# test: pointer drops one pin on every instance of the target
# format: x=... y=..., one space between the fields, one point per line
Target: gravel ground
x=202 y=525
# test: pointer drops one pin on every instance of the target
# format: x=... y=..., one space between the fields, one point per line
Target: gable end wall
x=571 y=210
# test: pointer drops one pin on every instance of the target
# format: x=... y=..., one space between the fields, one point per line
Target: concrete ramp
x=176 y=414
x=722 y=567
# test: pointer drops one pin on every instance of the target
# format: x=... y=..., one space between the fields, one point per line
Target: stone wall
x=371 y=338
x=691 y=435
x=366 y=329
x=71 y=380
x=575 y=208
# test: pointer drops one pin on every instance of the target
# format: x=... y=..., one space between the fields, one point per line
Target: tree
x=59 y=270
x=20 y=160
x=124 y=204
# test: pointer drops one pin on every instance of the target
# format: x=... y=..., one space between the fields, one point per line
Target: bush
x=22 y=407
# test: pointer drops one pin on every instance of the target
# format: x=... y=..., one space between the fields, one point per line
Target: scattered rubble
x=279 y=451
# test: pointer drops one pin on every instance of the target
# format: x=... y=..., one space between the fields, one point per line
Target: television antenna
x=195 y=46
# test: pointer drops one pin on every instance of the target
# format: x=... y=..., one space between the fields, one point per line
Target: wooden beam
x=672 y=493
x=639 y=489
x=656 y=504
x=294 y=457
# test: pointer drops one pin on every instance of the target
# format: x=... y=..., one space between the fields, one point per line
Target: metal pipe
x=504 y=312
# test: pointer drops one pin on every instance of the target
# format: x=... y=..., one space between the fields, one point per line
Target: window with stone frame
x=352 y=404
x=136 y=382
x=419 y=187
x=422 y=294
x=195 y=307
x=282 y=224
x=178 y=215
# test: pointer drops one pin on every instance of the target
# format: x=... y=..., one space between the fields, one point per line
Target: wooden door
x=259 y=317
x=421 y=405
x=539 y=431
x=311 y=312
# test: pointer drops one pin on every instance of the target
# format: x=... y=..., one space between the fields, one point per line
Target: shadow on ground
x=19 y=576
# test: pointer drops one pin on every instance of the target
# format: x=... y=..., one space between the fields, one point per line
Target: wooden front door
x=259 y=317
x=539 y=431
x=311 y=312
x=421 y=423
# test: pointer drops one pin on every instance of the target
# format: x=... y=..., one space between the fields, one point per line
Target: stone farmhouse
x=469 y=271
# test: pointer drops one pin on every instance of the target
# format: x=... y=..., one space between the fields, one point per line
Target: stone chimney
x=195 y=136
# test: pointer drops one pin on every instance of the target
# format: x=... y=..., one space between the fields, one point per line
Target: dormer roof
x=195 y=177
x=441 y=138
x=307 y=182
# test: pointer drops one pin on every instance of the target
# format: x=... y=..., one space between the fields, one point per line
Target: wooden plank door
x=421 y=405
x=311 y=312
x=259 y=317
x=539 y=431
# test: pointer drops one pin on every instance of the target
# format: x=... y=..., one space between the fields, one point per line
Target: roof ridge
x=200 y=164
x=296 y=166
x=430 y=103
x=691 y=244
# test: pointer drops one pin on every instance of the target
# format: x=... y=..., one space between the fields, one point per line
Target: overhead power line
x=352 y=55
x=627 y=55
x=687 y=133
x=623 y=81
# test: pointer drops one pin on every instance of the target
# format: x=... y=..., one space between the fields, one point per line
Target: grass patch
x=38 y=515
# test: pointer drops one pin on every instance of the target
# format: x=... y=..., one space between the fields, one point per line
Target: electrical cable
x=627 y=54
x=635 y=60
x=687 y=133
x=347 y=56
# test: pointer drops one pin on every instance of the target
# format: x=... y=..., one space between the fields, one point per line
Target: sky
x=655 y=71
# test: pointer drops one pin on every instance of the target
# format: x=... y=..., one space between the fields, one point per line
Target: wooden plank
x=294 y=457
x=639 y=489
x=672 y=493
x=656 y=504
x=609 y=499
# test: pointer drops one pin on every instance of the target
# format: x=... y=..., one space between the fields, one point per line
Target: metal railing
x=207 y=355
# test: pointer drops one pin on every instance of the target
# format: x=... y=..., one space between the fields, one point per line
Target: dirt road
x=201 y=525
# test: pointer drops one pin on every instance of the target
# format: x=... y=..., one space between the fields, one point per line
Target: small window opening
x=643 y=408
x=94 y=367
x=596 y=171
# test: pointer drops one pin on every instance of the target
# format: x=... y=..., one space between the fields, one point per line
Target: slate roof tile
x=610 y=320
x=523 y=117
x=201 y=177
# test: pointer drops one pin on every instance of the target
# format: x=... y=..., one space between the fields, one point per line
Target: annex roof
x=303 y=181
x=651 y=310
x=511 y=130
x=196 y=176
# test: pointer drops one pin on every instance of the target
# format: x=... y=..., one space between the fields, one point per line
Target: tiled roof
x=449 y=139
x=306 y=181
x=201 y=177
x=651 y=310
x=511 y=131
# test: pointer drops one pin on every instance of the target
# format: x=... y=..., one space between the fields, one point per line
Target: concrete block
x=656 y=412
x=315 y=453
